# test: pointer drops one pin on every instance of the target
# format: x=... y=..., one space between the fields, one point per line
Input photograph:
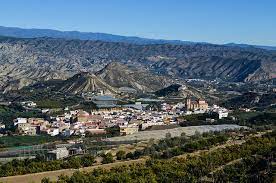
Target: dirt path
x=206 y=178
x=53 y=175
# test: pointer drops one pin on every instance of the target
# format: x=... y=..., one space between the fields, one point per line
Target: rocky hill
x=251 y=99
x=141 y=79
x=26 y=61
x=178 y=90
x=85 y=82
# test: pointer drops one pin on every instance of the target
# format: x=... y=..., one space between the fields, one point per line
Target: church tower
x=188 y=103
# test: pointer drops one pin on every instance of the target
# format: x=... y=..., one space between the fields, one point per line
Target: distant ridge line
x=40 y=33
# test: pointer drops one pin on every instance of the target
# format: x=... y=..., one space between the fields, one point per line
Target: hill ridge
x=43 y=59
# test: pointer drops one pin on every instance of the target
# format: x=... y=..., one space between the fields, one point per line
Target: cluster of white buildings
x=129 y=119
x=30 y=126
x=78 y=122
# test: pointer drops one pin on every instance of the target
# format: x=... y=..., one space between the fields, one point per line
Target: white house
x=53 y=131
x=59 y=153
x=28 y=104
x=19 y=120
x=222 y=114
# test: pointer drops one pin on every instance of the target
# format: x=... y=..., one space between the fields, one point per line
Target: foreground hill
x=26 y=61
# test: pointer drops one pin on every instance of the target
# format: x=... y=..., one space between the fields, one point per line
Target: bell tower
x=188 y=103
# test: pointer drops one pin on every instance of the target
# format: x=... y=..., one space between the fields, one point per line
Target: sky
x=214 y=21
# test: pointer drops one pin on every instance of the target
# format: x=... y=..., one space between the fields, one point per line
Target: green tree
x=75 y=162
x=46 y=180
x=107 y=158
x=129 y=155
x=121 y=155
x=183 y=134
x=168 y=135
x=87 y=160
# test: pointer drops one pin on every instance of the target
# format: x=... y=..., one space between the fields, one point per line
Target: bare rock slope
x=27 y=61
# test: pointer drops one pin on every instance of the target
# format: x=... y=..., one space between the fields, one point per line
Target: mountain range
x=146 y=67
x=38 y=33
